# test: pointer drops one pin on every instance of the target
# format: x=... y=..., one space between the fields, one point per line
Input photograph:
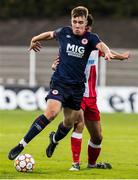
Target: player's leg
x=92 y=122
x=72 y=102
x=52 y=109
x=63 y=129
x=76 y=141
x=94 y=145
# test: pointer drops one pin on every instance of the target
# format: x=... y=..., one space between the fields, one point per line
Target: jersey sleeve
x=94 y=38
x=57 y=33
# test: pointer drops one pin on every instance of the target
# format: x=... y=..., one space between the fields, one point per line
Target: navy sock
x=38 y=125
x=61 y=132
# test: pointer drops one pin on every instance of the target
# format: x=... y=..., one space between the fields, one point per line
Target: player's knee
x=50 y=115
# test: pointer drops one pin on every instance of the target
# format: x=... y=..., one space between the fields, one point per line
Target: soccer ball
x=24 y=163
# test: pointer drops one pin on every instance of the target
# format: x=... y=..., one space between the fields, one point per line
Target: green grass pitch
x=119 y=147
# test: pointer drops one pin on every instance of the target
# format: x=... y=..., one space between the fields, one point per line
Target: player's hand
x=55 y=63
x=36 y=46
x=125 y=55
x=108 y=56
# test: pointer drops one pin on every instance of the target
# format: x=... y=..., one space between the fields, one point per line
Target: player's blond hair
x=79 y=11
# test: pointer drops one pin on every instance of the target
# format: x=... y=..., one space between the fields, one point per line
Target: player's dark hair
x=90 y=20
x=79 y=11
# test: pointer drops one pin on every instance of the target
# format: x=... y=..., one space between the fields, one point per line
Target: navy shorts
x=69 y=95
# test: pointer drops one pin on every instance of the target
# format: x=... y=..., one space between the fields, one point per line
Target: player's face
x=78 y=25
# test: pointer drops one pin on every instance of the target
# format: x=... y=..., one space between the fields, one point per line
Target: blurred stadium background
x=115 y=22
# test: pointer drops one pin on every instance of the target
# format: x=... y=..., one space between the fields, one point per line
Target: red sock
x=76 y=140
x=93 y=153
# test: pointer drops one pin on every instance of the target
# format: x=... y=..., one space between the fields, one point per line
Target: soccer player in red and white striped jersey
x=91 y=117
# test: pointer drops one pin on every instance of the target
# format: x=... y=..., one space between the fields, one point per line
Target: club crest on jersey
x=55 y=92
x=84 y=41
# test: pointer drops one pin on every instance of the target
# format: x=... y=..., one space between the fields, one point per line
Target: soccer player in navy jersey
x=67 y=82
x=90 y=111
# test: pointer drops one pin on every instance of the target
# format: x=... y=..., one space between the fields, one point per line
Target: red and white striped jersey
x=91 y=73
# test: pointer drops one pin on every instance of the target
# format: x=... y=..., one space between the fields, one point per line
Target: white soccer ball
x=24 y=163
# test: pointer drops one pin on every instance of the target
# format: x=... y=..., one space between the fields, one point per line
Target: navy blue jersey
x=74 y=51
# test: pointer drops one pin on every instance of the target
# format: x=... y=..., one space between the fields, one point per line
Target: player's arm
x=35 y=44
x=120 y=56
x=105 y=49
